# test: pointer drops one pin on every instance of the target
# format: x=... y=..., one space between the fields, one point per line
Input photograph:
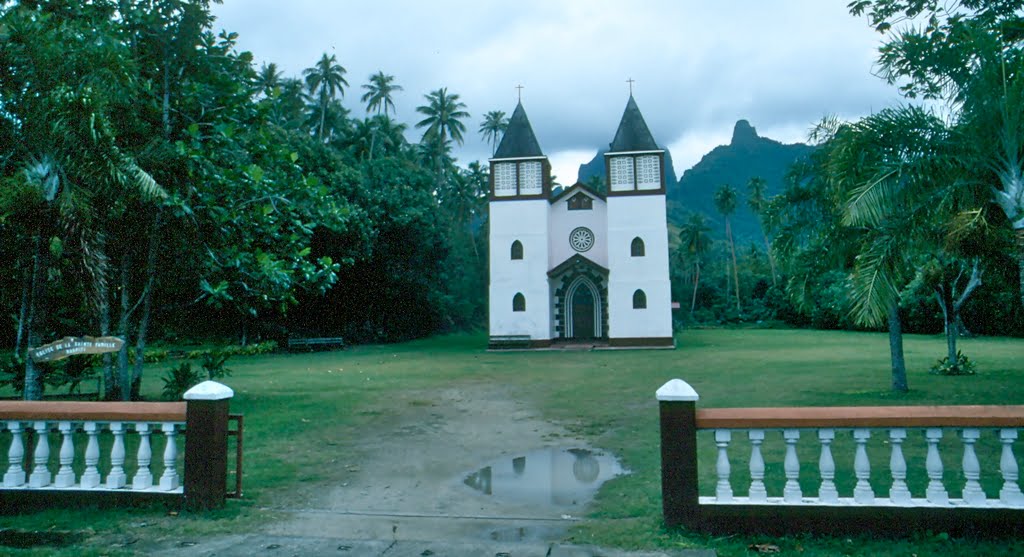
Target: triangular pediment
x=577 y=262
x=576 y=188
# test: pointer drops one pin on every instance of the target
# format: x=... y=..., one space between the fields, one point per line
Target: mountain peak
x=743 y=133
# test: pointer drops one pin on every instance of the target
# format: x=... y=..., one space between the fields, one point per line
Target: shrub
x=179 y=379
x=214 y=363
x=962 y=366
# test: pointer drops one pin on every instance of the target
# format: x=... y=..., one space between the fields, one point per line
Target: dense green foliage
x=150 y=174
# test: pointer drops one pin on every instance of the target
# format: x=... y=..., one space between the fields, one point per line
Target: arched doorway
x=583 y=301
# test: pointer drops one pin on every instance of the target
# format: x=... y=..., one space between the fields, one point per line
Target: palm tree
x=268 y=79
x=992 y=127
x=757 y=202
x=493 y=127
x=725 y=203
x=378 y=93
x=695 y=242
x=444 y=114
x=893 y=179
x=325 y=81
x=378 y=97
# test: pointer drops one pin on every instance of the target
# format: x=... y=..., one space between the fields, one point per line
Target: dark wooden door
x=583 y=314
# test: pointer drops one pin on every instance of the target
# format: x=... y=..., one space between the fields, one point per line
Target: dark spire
x=518 y=139
x=633 y=134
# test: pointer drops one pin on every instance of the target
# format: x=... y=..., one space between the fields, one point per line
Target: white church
x=579 y=266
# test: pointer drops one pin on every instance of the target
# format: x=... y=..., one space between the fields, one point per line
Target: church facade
x=579 y=266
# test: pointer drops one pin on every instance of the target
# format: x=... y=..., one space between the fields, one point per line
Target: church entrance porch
x=583 y=320
x=579 y=302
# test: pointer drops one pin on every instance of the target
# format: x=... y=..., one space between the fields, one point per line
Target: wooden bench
x=311 y=343
x=502 y=342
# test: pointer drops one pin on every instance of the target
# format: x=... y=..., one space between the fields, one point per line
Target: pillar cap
x=209 y=390
x=677 y=390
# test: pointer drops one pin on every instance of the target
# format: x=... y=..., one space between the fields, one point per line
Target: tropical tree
x=695 y=241
x=969 y=54
x=757 y=202
x=379 y=90
x=378 y=97
x=325 y=81
x=493 y=127
x=268 y=79
x=725 y=204
x=443 y=122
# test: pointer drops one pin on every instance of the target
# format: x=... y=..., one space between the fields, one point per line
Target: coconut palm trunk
x=40 y=267
x=696 y=283
x=735 y=269
x=899 y=363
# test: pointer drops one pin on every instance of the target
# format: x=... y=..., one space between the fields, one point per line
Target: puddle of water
x=561 y=478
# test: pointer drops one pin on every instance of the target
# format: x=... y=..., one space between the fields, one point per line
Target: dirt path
x=408 y=484
x=405 y=493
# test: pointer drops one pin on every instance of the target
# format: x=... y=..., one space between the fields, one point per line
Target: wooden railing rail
x=92 y=411
x=860 y=416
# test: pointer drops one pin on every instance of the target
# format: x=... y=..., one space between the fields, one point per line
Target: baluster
x=91 y=476
x=862 y=493
x=792 y=493
x=15 y=457
x=972 y=469
x=757 y=491
x=40 y=476
x=169 y=479
x=143 y=478
x=117 y=478
x=898 y=493
x=65 y=475
x=15 y=476
x=936 y=492
x=723 y=491
x=1010 y=493
x=827 y=493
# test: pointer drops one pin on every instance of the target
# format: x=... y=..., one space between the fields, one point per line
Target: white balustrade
x=827 y=493
x=169 y=479
x=972 y=469
x=1010 y=494
x=864 y=493
x=41 y=477
x=723 y=491
x=66 y=476
x=15 y=476
x=117 y=479
x=792 y=493
x=936 y=493
x=143 y=478
x=757 y=490
x=91 y=476
x=898 y=493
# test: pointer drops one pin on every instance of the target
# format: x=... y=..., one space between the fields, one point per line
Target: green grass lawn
x=297 y=403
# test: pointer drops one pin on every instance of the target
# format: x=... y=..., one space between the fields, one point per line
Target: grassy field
x=295 y=404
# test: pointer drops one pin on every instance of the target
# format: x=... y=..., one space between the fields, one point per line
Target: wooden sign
x=72 y=346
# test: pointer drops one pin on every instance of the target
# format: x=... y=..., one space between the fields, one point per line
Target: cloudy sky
x=698 y=66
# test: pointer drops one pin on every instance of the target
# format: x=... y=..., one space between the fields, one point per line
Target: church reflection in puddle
x=556 y=477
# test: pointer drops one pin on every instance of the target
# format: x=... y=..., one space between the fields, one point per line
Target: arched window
x=519 y=302
x=517 y=250
x=639 y=300
x=636 y=249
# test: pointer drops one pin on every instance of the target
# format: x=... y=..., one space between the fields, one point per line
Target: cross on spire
x=519 y=90
x=630 y=81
